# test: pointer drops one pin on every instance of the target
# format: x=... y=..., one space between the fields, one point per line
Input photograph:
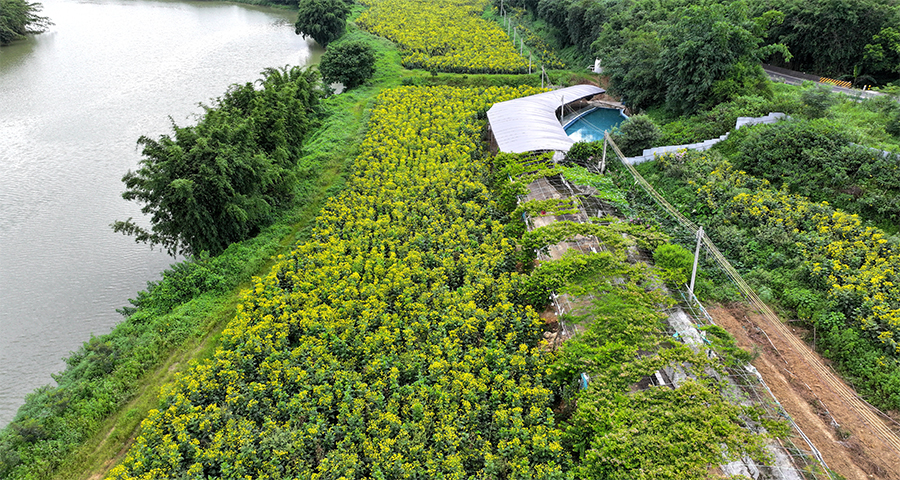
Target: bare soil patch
x=846 y=442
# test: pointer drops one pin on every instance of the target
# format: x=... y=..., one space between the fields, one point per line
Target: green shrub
x=818 y=99
x=636 y=134
x=350 y=63
x=582 y=152
x=675 y=263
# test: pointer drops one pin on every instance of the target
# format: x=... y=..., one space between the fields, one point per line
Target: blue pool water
x=590 y=127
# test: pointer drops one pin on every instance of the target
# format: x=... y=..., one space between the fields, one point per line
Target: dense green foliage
x=349 y=63
x=675 y=263
x=603 y=186
x=19 y=18
x=617 y=427
x=817 y=160
x=394 y=342
x=826 y=265
x=323 y=20
x=636 y=134
x=616 y=432
x=853 y=39
x=834 y=37
x=220 y=181
x=675 y=53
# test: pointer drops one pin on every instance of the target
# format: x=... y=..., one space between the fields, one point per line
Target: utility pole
x=603 y=161
x=696 y=257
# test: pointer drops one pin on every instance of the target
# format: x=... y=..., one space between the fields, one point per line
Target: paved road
x=791 y=80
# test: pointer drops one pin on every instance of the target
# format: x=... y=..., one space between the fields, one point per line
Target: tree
x=19 y=18
x=633 y=69
x=697 y=56
x=636 y=134
x=828 y=37
x=709 y=45
x=220 y=181
x=883 y=54
x=323 y=20
x=350 y=63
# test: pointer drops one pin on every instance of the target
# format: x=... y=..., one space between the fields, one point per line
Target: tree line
x=688 y=56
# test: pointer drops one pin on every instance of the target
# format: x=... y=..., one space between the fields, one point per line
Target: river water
x=73 y=102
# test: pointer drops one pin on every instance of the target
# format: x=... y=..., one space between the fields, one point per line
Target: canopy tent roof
x=529 y=124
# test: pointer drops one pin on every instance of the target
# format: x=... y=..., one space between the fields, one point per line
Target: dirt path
x=858 y=447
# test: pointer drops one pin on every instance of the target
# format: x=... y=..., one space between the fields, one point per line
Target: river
x=73 y=102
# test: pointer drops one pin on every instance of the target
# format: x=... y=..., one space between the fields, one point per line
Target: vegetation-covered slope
x=389 y=345
x=828 y=266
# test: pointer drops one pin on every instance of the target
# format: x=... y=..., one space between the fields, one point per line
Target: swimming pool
x=590 y=126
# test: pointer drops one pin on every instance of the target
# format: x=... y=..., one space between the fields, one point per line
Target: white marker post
x=696 y=257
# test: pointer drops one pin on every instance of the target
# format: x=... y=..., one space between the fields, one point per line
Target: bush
x=818 y=99
x=675 y=263
x=350 y=63
x=636 y=134
x=582 y=152
x=323 y=20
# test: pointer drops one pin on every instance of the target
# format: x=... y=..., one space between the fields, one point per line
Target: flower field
x=444 y=35
x=829 y=266
x=389 y=346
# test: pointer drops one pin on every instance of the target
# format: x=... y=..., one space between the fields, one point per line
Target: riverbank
x=74 y=429
x=189 y=308
x=378 y=315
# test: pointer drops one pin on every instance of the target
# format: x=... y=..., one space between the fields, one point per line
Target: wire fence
x=870 y=417
x=793 y=457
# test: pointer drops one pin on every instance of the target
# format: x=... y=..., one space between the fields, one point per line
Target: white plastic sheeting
x=529 y=124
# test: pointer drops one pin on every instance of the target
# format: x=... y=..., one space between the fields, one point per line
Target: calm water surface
x=73 y=101
x=590 y=127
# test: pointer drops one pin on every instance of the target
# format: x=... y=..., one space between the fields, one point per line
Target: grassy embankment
x=79 y=428
x=184 y=315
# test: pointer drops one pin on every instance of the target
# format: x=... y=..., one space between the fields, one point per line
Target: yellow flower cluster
x=388 y=346
x=444 y=35
x=850 y=258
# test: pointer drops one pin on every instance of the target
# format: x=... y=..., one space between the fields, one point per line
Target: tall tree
x=19 y=18
x=350 y=63
x=829 y=37
x=220 y=181
x=323 y=20
x=712 y=53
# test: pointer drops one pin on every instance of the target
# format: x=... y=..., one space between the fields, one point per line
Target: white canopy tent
x=530 y=124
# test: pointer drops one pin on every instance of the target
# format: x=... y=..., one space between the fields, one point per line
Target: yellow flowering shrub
x=444 y=35
x=391 y=345
x=851 y=270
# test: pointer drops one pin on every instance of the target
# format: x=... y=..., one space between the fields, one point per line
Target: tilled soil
x=847 y=443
